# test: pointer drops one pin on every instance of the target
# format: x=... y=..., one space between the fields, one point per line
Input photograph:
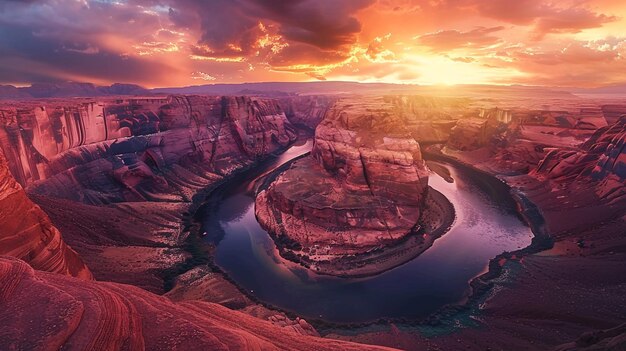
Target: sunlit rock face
x=27 y=233
x=612 y=113
x=428 y=119
x=46 y=311
x=138 y=149
x=488 y=127
x=363 y=186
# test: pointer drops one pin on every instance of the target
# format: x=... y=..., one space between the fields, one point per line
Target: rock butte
x=363 y=187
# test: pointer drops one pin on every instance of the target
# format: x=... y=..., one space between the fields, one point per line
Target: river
x=486 y=225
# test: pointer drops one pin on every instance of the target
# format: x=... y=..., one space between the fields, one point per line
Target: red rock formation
x=599 y=165
x=308 y=110
x=493 y=126
x=27 y=233
x=613 y=112
x=603 y=155
x=363 y=187
x=138 y=149
x=47 y=311
x=131 y=167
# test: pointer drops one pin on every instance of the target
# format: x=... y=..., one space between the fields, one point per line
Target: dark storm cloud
x=326 y=24
x=85 y=38
x=43 y=41
x=25 y=56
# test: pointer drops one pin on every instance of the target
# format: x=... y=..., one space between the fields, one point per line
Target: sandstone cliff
x=46 y=311
x=138 y=149
x=598 y=166
x=491 y=127
x=27 y=233
x=307 y=111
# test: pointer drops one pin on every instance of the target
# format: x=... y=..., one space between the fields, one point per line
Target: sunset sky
x=189 y=42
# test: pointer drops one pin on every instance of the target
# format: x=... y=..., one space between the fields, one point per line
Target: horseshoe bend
x=363 y=189
x=272 y=222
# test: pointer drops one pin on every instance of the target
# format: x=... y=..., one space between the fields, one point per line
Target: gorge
x=253 y=221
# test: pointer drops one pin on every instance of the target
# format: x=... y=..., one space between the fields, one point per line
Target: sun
x=442 y=70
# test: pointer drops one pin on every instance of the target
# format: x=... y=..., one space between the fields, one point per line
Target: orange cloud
x=182 y=42
x=453 y=39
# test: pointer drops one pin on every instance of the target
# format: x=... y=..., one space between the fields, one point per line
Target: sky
x=166 y=43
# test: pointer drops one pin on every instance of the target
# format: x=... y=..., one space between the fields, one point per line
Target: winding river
x=486 y=225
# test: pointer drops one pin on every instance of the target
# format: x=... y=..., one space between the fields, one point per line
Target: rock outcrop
x=47 y=311
x=138 y=149
x=602 y=156
x=599 y=164
x=307 y=111
x=363 y=187
x=613 y=112
x=490 y=127
x=27 y=233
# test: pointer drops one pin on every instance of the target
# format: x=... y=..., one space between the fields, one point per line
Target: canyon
x=107 y=251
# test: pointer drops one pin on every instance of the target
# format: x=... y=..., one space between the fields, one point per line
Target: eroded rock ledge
x=363 y=188
x=27 y=233
x=47 y=311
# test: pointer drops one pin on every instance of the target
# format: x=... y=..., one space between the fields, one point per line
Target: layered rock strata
x=138 y=149
x=27 y=233
x=362 y=189
x=307 y=111
x=47 y=311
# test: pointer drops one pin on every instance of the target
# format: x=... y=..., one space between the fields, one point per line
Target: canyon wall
x=27 y=233
x=490 y=127
x=602 y=156
x=599 y=164
x=307 y=111
x=118 y=175
x=137 y=149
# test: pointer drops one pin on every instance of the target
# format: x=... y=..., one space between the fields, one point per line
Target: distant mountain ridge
x=69 y=89
x=282 y=89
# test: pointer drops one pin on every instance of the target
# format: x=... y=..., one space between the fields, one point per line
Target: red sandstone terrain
x=46 y=311
x=28 y=234
x=118 y=180
x=117 y=175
